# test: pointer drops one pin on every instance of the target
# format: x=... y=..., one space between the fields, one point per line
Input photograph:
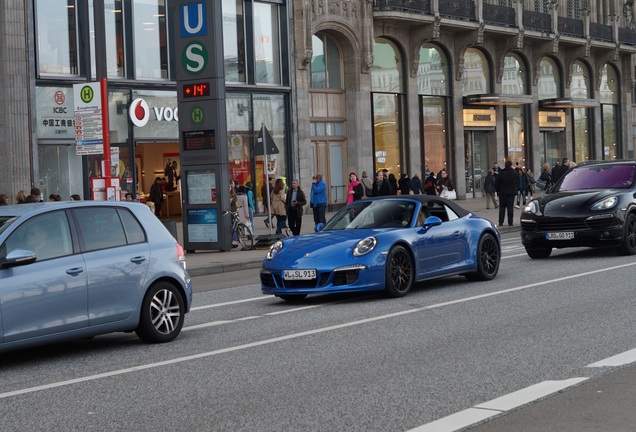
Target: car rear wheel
x=488 y=258
x=538 y=253
x=293 y=297
x=162 y=314
x=628 y=247
x=400 y=272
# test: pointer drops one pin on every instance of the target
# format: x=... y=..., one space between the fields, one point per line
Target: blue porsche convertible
x=384 y=244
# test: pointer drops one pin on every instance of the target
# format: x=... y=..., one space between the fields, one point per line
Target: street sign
x=87 y=105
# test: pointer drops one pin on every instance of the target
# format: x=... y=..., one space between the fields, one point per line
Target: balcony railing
x=537 y=21
x=458 y=9
x=494 y=14
x=570 y=26
x=421 y=6
x=601 y=32
x=627 y=36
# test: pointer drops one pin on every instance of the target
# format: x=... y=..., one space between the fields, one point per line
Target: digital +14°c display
x=196 y=90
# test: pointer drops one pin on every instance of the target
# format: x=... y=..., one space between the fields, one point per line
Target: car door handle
x=457 y=234
x=75 y=271
x=138 y=259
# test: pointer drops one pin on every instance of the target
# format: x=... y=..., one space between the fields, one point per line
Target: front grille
x=600 y=224
x=560 y=225
x=345 y=277
x=267 y=279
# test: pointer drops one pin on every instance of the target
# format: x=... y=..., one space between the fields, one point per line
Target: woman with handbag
x=545 y=179
x=445 y=188
x=294 y=202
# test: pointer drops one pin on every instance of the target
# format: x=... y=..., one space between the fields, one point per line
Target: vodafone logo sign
x=139 y=113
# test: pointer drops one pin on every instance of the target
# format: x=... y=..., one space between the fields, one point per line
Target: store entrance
x=476 y=162
x=151 y=160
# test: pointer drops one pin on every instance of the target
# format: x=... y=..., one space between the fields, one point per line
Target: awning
x=565 y=103
x=497 y=99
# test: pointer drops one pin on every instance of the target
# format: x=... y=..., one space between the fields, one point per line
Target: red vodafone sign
x=139 y=113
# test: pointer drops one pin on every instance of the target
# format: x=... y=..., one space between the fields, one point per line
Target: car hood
x=566 y=202
x=328 y=244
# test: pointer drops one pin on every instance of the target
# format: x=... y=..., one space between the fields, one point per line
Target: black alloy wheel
x=488 y=259
x=400 y=272
x=628 y=247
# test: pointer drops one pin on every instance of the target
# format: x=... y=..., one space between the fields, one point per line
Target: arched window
x=609 y=95
x=580 y=88
x=475 y=73
x=514 y=80
x=549 y=81
x=387 y=89
x=325 y=70
x=432 y=72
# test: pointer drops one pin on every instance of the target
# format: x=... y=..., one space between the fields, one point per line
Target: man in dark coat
x=294 y=202
x=558 y=173
x=156 y=196
x=506 y=187
x=381 y=186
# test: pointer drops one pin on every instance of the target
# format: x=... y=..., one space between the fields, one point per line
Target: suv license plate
x=300 y=274
x=568 y=235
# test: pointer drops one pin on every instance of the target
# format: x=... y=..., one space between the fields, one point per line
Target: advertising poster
x=203 y=226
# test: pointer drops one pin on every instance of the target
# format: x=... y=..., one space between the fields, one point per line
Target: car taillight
x=181 y=255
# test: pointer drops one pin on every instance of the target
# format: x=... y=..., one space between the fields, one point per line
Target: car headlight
x=532 y=207
x=365 y=246
x=605 y=204
x=276 y=247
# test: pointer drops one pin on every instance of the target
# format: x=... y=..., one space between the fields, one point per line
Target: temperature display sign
x=196 y=90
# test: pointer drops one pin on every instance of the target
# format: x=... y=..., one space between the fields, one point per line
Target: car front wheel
x=400 y=272
x=628 y=247
x=488 y=258
x=539 y=253
x=162 y=314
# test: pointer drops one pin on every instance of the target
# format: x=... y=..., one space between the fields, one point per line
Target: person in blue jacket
x=318 y=199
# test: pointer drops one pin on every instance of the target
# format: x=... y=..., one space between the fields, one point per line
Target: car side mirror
x=319 y=226
x=18 y=257
x=431 y=222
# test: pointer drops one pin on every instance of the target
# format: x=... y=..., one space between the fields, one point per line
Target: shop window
x=234 y=41
x=514 y=76
x=325 y=67
x=549 y=82
x=266 y=43
x=475 y=74
x=150 y=41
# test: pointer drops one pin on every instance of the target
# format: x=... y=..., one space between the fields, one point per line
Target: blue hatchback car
x=83 y=268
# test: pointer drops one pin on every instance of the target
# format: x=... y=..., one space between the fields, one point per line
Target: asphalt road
x=247 y=362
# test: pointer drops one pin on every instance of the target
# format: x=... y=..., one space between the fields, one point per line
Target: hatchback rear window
x=100 y=228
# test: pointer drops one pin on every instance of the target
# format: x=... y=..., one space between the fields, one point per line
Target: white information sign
x=87 y=104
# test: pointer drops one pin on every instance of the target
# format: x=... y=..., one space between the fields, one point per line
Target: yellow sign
x=551 y=119
x=479 y=118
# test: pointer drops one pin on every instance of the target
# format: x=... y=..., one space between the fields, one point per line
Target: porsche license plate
x=566 y=235
x=305 y=274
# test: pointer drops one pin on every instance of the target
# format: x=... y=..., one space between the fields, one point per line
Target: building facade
x=416 y=86
x=351 y=85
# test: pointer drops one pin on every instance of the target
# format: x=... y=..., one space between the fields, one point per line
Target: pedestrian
x=355 y=188
x=294 y=202
x=416 y=184
x=156 y=196
x=20 y=197
x=278 y=205
x=393 y=184
x=522 y=187
x=555 y=168
x=172 y=177
x=76 y=197
x=404 y=184
x=54 y=197
x=489 y=189
x=265 y=196
x=38 y=195
x=444 y=182
x=545 y=178
x=381 y=186
x=506 y=187
x=243 y=205
x=250 y=200
x=318 y=199
x=129 y=197
x=4 y=199
x=496 y=169
x=560 y=171
x=430 y=183
x=531 y=181
x=367 y=183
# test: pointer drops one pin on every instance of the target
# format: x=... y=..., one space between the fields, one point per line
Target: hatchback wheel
x=400 y=272
x=628 y=247
x=488 y=258
x=162 y=314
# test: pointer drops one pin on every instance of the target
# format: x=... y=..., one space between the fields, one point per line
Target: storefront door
x=476 y=162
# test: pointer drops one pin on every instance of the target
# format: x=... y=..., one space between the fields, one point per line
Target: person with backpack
x=367 y=184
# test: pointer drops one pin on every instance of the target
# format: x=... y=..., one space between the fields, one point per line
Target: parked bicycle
x=243 y=232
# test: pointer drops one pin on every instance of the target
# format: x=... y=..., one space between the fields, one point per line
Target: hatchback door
x=48 y=296
x=117 y=256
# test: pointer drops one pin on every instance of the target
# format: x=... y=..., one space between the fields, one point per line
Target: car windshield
x=598 y=177
x=373 y=214
x=5 y=221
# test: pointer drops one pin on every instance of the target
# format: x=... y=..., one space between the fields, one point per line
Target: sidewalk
x=213 y=262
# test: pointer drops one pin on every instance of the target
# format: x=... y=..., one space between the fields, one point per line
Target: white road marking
x=498 y=406
x=618 y=360
x=229 y=303
x=295 y=335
